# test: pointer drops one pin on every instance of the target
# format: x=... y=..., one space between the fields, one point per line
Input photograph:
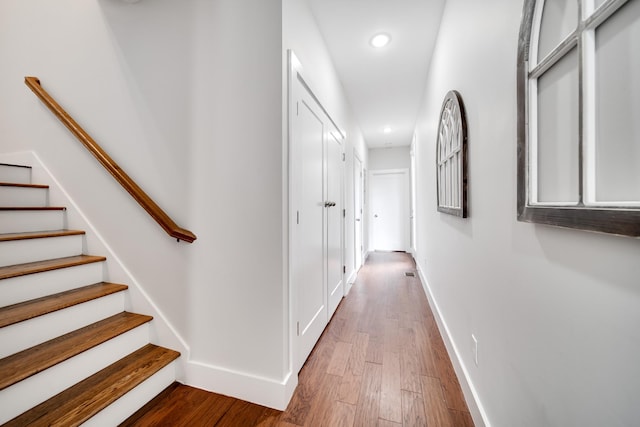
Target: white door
x=308 y=255
x=333 y=214
x=357 y=211
x=389 y=210
x=316 y=219
x=413 y=195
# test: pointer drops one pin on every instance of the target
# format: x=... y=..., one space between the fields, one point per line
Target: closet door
x=334 y=219
x=316 y=202
x=308 y=254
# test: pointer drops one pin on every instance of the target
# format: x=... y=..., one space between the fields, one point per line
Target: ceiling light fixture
x=387 y=129
x=380 y=40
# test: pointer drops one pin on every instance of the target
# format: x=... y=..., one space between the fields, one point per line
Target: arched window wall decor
x=451 y=157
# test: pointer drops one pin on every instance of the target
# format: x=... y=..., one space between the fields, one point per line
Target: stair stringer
x=162 y=332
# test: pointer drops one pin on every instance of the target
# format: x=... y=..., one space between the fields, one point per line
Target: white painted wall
x=555 y=311
x=125 y=79
x=389 y=158
x=237 y=300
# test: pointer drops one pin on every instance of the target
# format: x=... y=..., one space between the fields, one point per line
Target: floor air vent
x=410 y=274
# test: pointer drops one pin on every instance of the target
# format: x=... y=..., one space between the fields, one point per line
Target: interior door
x=389 y=210
x=309 y=252
x=357 y=210
x=316 y=219
x=333 y=202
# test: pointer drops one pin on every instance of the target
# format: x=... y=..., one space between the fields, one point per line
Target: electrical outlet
x=474 y=348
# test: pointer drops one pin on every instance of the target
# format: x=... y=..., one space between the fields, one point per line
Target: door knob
x=375 y=216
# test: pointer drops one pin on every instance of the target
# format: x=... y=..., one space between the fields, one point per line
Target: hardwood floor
x=380 y=362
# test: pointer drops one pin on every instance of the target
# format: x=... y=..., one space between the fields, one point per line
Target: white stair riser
x=23 y=335
x=36 y=389
x=23 y=196
x=128 y=404
x=15 y=175
x=31 y=250
x=32 y=286
x=24 y=221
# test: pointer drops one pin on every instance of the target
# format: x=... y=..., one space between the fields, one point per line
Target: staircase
x=69 y=353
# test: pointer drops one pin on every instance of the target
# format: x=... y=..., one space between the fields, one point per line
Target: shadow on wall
x=154 y=43
x=587 y=254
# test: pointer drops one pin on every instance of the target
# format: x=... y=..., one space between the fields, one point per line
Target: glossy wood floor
x=380 y=362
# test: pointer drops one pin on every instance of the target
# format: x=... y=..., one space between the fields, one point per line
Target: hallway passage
x=380 y=362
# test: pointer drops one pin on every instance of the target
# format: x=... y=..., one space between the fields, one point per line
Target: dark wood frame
x=614 y=220
x=462 y=212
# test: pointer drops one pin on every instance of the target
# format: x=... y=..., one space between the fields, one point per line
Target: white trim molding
x=476 y=409
x=262 y=391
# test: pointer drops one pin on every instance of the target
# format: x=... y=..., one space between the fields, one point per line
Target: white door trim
x=406 y=184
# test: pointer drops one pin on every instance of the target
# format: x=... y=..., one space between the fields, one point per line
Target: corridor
x=380 y=362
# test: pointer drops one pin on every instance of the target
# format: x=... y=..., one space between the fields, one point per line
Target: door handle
x=358 y=219
x=375 y=216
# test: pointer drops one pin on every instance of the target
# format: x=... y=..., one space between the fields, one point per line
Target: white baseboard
x=262 y=391
x=350 y=281
x=476 y=409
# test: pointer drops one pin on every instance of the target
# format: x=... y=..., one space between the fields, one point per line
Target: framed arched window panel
x=578 y=89
x=451 y=157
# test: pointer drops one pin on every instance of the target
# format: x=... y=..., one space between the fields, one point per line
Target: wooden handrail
x=111 y=166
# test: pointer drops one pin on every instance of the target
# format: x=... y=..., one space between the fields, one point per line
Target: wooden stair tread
x=31 y=361
x=32 y=208
x=80 y=402
x=50 y=264
x=13 y=184
x=6 y=237
x=20 y=312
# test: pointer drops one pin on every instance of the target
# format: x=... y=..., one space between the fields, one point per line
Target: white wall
x=170 y=90
x=555 y=311
x=389 y=158
x=125 y=79
x=237 y=300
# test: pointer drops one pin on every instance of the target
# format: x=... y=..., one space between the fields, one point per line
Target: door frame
x=406 y=183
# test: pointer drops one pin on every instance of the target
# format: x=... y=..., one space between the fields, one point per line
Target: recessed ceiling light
x=380 y=40
x=387 y=129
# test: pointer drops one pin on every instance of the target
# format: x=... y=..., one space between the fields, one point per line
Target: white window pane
x=558 y=163
x=618 y=106
x=559 y=19
x=454 y=182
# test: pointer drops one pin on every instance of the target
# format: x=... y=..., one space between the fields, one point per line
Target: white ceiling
x=384 y=86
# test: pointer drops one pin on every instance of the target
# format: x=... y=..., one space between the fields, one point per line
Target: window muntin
x=578 y=104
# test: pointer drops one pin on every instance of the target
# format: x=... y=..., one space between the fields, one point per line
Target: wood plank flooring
x=380 y=362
